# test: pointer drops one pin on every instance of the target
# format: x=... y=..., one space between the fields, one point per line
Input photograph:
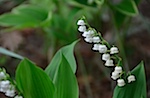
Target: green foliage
x=33 y=82
x=67 y=51
x=25 y=16
x=119 y=19
x=92 y=3
x=127 y=7
x=65 y=81
x=136 y=89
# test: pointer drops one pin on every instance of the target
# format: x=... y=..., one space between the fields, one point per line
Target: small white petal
x=4 y=86
x=120 y=82
x=131 y=78
x=91 y=32
x=89 y=39
x=102 y=48
x=96 y=47
x=105 y=57
x=114 y=50
x=118 y=69
x=109 y=63
x=10 y=93
x=86 y=34
x=96 y=39
x=81 y=22
x=115 y=75
x=82 y=28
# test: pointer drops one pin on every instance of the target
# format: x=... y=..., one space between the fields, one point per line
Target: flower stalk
x=109 y=52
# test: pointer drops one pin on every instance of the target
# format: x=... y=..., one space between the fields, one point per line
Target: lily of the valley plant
x=109 y=53
x=130 y=84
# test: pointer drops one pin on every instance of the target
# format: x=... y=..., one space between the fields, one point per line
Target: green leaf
x=65 y=81
x=119 y=19
x=10 y=53
x=33 y=82
x=17 y=20
x=136 y=89
x=127 y=7
x=25 y=16
x=67 y=51
x=45 y=3
x=33 y=11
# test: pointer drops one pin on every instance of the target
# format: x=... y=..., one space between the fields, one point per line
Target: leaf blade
x=66 y=81
x=67 y=51
x=33 y=82
x=136 y=89
x=130 y=10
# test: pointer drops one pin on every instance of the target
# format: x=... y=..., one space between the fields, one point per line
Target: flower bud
x=121 y=82
x=102 y=48
x=105 y=57
x=109 y=63
x=81 y=22
x=114 y=50
x=131 y=78
x=82 y=28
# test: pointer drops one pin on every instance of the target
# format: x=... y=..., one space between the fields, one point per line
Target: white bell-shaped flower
x=85 y=34
x=105 y=56
x=131 y=78
x=118 y=69
x=91 y=31
x=102 y=48
x=82 y=28
x=18 y=96
x=4 y=86
x=96 y=47
x=114 y=50
x=10 y=93
x=2 y=75
x=115 y=75
x=80 y=22
x=109 y=63
x=88 y=33
x=89 y=39
x=96 y=39
x=121 y=82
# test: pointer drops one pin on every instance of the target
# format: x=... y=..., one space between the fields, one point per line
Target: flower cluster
x=7 y=85
x=109 y=53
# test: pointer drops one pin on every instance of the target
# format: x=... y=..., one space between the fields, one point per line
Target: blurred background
x=37 y=29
